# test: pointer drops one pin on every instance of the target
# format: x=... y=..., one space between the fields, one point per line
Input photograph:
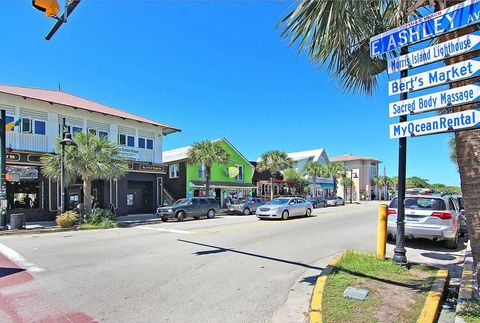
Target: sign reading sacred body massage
x=449 y=19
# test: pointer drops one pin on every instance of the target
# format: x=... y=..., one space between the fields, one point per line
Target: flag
x=9 y=126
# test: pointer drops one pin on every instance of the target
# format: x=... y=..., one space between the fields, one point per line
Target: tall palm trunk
x=208 y=169
x=335 y=185
x=314 y=186
x=87 y=195
x=271 y=185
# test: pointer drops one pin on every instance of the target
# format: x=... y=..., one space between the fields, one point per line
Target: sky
x=214 y=69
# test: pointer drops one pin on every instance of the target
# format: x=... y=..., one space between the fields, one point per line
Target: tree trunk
x=314 y=186
x=335 y=186
x=207 y=180
x=271 y=188
x=87 y=196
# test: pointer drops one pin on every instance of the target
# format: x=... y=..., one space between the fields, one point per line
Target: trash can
x=17 y=221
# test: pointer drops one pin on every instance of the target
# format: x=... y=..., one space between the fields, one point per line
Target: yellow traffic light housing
x=50 y=7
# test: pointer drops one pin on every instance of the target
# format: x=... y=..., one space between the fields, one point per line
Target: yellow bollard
x=382 y=231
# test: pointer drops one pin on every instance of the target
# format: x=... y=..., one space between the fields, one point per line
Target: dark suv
x=194 y=207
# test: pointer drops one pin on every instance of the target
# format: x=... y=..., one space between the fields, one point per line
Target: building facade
x=188 y=180
x=40 y=114
x=362 y=170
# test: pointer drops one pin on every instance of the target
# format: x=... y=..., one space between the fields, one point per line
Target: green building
x=229 y=181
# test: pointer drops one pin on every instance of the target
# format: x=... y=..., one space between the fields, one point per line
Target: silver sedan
x=284 y=208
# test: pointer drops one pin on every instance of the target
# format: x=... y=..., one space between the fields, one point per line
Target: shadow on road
x=217 y=250
x=6 y=271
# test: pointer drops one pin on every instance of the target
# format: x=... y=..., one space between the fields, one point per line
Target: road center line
x=18 y=259
x=165 y=230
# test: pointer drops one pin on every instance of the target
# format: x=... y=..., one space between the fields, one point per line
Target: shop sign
x=21 y=173
x=453 y=47
x=128 y=153
x=433 y=25
x=439 y=76
x=147 y=168
x=439 y=100
x=12 y=157
x=233 y=171
x=438 y=124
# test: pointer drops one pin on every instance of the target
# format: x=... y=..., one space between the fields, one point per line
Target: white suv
x=434 y=217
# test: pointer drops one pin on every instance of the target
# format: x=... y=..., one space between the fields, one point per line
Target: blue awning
x=327 y=186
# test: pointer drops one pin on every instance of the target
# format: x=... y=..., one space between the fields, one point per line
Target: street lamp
x=351 y=184
x=66 y=141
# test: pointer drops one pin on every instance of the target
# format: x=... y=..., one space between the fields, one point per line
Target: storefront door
x=139 y=197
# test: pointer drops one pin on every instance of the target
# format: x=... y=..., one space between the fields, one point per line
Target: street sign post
x=433 y=25
x=450 y=48
x=444 y=123
x=435 y=101
x=439 y=76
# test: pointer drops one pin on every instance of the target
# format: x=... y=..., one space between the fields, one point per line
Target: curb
x=431 y=309
x=316 y=301
x=468 y=288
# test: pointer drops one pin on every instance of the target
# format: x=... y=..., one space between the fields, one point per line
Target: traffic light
x=50 y=7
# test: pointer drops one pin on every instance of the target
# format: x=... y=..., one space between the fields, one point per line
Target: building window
x=239 y=177
x=75 y=129
x=141 y=142
x=149 y=143
x=103 y=134
x=122 y=139
x=92 y=131
x=27 y=125
x=39 y=127
x=173 y=170
x=130 y=141
x=201 y=171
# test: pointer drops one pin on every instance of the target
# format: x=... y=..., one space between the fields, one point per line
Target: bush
x=67 y=219
x=98 y=216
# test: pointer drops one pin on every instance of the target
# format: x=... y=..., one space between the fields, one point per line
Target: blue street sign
x=450 y=48
x=433 y=25
x=443 y=123
x=434 y=101
x=439 y=76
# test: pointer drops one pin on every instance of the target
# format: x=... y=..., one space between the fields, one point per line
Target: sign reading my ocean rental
x=449 y=19
x=439 y=76
x=448 y=122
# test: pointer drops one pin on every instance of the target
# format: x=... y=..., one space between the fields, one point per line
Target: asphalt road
x=228 y=269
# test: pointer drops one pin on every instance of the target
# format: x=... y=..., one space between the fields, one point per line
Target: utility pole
x=3 y=173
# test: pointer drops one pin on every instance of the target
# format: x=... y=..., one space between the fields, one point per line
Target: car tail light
x=392 y=212
x=442 y=215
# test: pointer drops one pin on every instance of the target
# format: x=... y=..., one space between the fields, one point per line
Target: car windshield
x=279 y=201
x=181 y=201
x=420 y=203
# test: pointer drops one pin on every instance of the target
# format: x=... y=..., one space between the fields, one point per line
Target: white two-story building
x=41 y=113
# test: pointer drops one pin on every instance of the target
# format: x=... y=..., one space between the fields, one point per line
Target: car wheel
x=211 y=214
x=196 y=217
x=314 y=205
x=308 y=213
x=164 y=219
x=285 y=215
x=246 y=211
x=181 y=216
x=452 y=244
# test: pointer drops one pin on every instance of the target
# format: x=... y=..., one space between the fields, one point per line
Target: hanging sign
x=453 y=47
x=448 y=122
x=439 y=76
x=433 y=25
x=439 y=100
x=233 y=171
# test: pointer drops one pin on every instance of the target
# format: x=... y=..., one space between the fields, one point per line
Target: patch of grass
x=470 y=312
x=396 y=293
x=106 y=224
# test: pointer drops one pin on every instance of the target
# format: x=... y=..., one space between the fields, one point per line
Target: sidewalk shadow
x=7 y=271
x=430 y=245
x=216 y=250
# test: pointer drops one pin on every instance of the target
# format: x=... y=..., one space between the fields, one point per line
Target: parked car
x=195 y=207
x=434 y=217
x=245 y=206
x=334 y=201
x=317 y=202
x=463 y=216
x=284 y=208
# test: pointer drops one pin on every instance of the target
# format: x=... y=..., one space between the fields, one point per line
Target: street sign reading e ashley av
x=439 y=76
x=453 y=47
x=435 y=24
x=434 y=101
x=426 y=126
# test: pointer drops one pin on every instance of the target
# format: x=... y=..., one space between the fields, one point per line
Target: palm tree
x=338 y=33
x=314 y=170
x=274 y=161
x=207 y=153
x=336 y=170
x=92 y=158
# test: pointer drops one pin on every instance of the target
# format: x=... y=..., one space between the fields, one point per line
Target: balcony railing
x=27 y=141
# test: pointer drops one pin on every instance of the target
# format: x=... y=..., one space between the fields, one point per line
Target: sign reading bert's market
x=448 y=122
x=439 y=76
x=434 y=101
x=454 y=47
x=449 y=19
